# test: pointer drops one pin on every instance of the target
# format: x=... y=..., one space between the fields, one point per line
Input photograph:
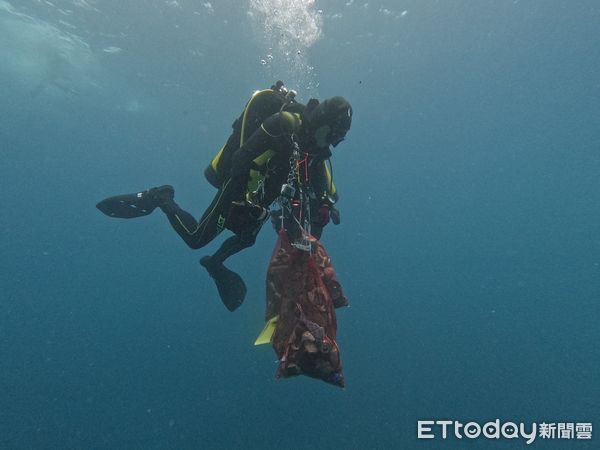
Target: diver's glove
x=323 y=216
x=327 y=212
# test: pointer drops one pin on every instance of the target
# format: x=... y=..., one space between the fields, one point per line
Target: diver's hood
x=335 y=113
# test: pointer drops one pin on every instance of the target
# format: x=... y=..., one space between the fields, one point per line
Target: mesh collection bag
x=302 y=294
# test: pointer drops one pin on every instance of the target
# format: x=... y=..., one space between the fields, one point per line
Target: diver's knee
x=196 y=244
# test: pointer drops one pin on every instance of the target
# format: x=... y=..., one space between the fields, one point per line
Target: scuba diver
x=276 y=142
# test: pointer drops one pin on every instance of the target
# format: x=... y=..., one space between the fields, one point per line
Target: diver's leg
x=196 y=234
x=230 y=285
x=231 y=246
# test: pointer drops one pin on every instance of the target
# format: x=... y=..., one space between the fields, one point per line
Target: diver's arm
x=322 y=182
x=326 y=195
x=319 y=180
x=274 y=127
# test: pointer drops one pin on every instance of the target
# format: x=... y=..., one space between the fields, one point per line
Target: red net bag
x=302 y=294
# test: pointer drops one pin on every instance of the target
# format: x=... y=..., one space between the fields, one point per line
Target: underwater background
x=469 y=246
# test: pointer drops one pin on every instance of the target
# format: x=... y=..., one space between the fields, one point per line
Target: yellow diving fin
x=266 y=334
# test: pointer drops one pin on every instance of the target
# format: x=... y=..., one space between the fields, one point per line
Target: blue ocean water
x=469 y=246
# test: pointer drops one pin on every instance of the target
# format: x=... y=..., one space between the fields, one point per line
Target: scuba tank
x=261 y=105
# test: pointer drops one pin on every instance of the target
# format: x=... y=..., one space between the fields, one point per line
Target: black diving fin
x=230 y=285
x=129 y=206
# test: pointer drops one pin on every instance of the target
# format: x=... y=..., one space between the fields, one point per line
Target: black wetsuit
x=276 y=134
